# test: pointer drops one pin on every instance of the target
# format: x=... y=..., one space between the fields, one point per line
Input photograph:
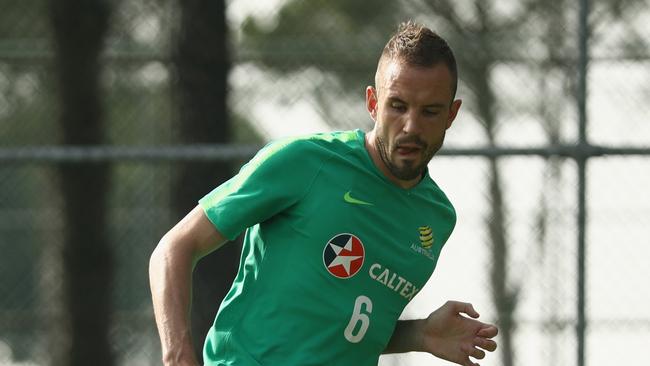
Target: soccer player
x=342 y=231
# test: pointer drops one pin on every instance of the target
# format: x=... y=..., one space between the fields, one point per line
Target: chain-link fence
x=512 y=161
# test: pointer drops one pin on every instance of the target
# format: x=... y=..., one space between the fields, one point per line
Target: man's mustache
x=410 y=140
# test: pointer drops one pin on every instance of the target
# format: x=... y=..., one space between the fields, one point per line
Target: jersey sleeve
x=276 y=178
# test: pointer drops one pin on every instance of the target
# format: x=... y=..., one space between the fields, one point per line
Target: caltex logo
x=343 y=255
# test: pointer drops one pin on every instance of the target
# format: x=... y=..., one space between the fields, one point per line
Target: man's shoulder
x=317 y=144
x=435 y=194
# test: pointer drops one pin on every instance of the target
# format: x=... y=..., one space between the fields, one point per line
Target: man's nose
x=412 y=123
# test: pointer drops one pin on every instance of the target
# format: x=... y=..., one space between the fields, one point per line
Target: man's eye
x=429 y=112
x=398 y=107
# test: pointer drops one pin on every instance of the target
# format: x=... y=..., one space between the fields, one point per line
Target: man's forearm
x=170 y=275
x=407 y=337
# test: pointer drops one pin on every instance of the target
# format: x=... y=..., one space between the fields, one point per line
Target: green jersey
x=332 y=254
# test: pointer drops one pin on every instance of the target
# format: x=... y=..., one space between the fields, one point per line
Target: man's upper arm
x=196 y=233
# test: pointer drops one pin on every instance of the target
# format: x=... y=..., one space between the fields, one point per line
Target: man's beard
x=407 y=171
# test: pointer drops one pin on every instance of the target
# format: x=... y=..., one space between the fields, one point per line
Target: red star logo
x=343 y=255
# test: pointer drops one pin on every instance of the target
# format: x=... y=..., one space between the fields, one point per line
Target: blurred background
x=117 y=116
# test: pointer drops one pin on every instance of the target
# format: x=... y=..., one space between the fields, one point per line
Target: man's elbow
x=172 y=253
x=157 y=259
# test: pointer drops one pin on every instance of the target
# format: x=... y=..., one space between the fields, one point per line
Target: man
x=342 y=230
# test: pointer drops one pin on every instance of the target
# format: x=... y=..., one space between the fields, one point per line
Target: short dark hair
x=418 y=45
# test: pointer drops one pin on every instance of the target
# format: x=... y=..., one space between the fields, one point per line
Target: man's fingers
x=478 y=354
x=472 y=351
x=468 y=362
x=489 y=331
x=465 y=308
x=486 y=344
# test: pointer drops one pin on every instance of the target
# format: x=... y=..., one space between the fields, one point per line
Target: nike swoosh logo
x=349 y=199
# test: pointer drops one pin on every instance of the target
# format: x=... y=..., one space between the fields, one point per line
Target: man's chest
x=356 y=224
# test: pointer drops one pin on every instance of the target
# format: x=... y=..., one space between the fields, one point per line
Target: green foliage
x=339 y=36
x=22 y=21
x=27 y=106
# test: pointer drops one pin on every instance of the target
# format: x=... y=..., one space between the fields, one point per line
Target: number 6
x=358 y=317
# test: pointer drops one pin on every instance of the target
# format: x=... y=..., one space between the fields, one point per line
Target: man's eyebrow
x=436 y=105
x=432 y=105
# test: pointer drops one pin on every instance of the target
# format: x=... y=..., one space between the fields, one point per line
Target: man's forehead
x=391 y=69
x=396 y=72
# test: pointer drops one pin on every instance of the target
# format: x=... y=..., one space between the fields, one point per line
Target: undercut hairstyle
x=417 y=45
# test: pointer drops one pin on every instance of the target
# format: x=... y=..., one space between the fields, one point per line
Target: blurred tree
x=340 y=36
x=79 y=29
x=557 y=47
x=486 y=37
x=23 y=102
x=26 y=76
x=202 y=63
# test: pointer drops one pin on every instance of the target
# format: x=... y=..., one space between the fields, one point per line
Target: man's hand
x=451 y=336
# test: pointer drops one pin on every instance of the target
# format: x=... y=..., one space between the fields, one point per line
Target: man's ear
x=453 y=111
x=371 y=102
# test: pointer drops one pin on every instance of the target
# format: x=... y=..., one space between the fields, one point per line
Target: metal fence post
x=582 y=158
